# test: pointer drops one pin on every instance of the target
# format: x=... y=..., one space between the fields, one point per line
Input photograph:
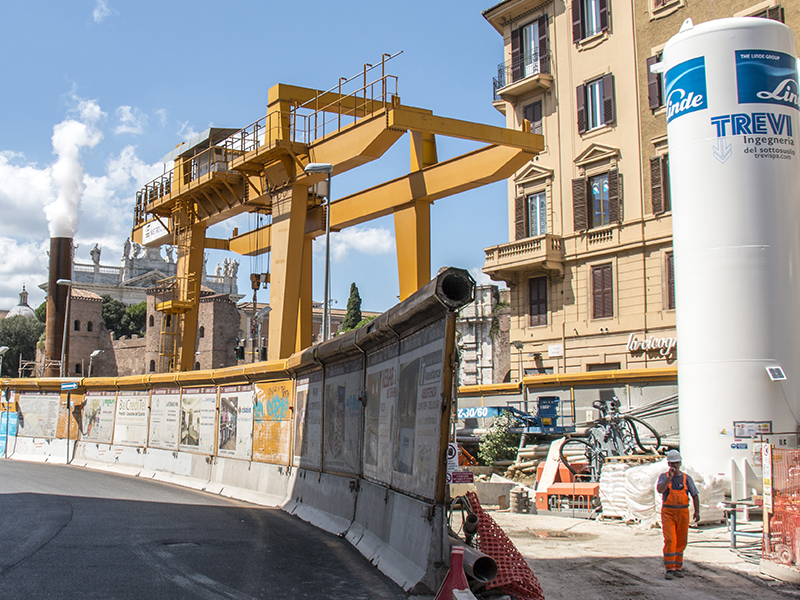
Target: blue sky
x=137 y=78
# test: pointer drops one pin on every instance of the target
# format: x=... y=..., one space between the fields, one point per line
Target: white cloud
x=368 y=240
x=101 y=11
x=161 y=113
x=131 y=120
x=187 y=132
x=482 y=278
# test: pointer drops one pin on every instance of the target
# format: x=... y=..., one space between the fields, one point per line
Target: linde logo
x=767 y=77
x=686 y=88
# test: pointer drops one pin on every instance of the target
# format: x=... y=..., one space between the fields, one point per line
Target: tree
x=20 y=334
x=353 y=315
x=499 y=443
x=41 y=312
x=135 y=318
x=123 y=320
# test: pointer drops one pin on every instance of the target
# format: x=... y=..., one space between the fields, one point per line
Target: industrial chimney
x=55 y=334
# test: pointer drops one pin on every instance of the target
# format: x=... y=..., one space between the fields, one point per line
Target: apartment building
x=589 y=256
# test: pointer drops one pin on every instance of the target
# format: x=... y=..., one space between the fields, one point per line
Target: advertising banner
x=198 y=419
x=419 y=411
x=97 y=417
x=130 y=425
x=272 y=422
x=8 y=425
x=164 y=417
x=308 y=420
x=38 y=414
x=235 y=431
x=380 y=408
x=342 y=417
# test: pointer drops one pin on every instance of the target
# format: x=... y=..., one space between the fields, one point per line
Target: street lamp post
x=91 y=358
x=68 y=284
x=326 y=168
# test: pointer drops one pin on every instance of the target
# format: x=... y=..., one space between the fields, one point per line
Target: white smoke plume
x=69 y=137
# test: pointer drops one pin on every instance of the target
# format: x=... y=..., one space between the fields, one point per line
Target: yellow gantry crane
x=260 y=168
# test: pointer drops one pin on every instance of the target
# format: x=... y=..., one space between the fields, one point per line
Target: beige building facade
x=589 y=256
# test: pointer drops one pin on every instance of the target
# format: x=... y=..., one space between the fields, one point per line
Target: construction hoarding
x=130 y=425
x=272 y=422
x=235 y=429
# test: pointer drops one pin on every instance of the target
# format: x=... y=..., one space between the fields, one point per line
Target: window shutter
x=603 y=15
x=536 y=121
x=608 y=98
x=516 y=55
x=608 y=292
x=579 y=204
x=665 y=182
x=656 y=188
x=597 y=292
x=537 y=288
x=775 y=13
x=613 y=196
x=670 y=281
x=653 y=85
x=581 y=105
x=544 y=55
x=577 y=21
x=519 y=218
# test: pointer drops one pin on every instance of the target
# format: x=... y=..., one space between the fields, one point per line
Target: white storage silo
x=733 y=130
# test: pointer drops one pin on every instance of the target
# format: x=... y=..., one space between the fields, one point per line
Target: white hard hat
x=673 y=456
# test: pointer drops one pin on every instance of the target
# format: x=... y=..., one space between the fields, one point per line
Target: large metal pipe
x=55 y=335
x=477 y=565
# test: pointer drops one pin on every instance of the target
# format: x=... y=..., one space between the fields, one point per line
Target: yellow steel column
x=412 y=231
x=305 y=315
x=189 y=271
x=289 y=206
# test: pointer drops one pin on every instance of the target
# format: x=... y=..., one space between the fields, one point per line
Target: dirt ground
x=576 y=559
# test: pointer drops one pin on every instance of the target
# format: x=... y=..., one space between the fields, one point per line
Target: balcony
x=527 y=73
x=543 y=253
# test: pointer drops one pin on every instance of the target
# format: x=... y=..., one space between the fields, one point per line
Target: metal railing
x=178 y=291
x=525 y=65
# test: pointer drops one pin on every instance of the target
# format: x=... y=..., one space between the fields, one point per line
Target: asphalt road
x=69 y=532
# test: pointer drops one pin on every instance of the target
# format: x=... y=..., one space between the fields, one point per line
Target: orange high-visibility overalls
x=675 y=524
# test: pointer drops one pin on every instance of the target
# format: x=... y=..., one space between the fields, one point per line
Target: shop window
x=89 y=326
x=595 y=200
x=670 y=268
x=655 y=84
x=602 y=291
x=538 y=301
x=77 y=326
x=605 y=395
x=589 y=17
x=595 y=103
x=533 y=112
x=659 y=184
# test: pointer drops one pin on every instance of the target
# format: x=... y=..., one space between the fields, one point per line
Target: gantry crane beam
x=263 y=170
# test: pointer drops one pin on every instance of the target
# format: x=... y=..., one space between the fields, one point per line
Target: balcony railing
x=545 y=252
x=527 y=64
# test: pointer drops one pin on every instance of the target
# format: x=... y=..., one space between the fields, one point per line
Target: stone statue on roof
x=95 y=254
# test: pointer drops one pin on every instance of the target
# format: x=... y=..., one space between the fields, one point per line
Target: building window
x=659 y=184
x=152 y=321
x=77 y=326
x=670 y=281
x=538 y=301
x=89 y=326
x=609 y=394
x=77 y=368
x=655 y=84
x=589 y=17
x=152 y=366
x=529 y=54
x=602 y=292
x=595 y=200
x=533 y=112
x=197 y=366
x=537 y=214
x=595 y=103
x=202 y=332
x=774 y=13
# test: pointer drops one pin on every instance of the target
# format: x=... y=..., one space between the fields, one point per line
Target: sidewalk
x=576 y=559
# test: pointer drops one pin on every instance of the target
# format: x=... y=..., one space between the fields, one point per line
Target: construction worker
x=675 y=488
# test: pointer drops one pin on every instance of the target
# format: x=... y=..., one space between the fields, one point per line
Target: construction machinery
x=261 y=169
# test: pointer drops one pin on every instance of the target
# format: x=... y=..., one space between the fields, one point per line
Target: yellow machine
x=261 y=169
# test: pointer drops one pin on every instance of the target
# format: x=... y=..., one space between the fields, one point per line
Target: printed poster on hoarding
x=235 y=431
x=419 y=411
x=164 y=418
x=380 y=408
x=38 y=414
x=308 y=420
x=130 y=425
x=342 y=417
x=8 y=431
x=272 y=422
x=97 y=417
x=198 y=419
